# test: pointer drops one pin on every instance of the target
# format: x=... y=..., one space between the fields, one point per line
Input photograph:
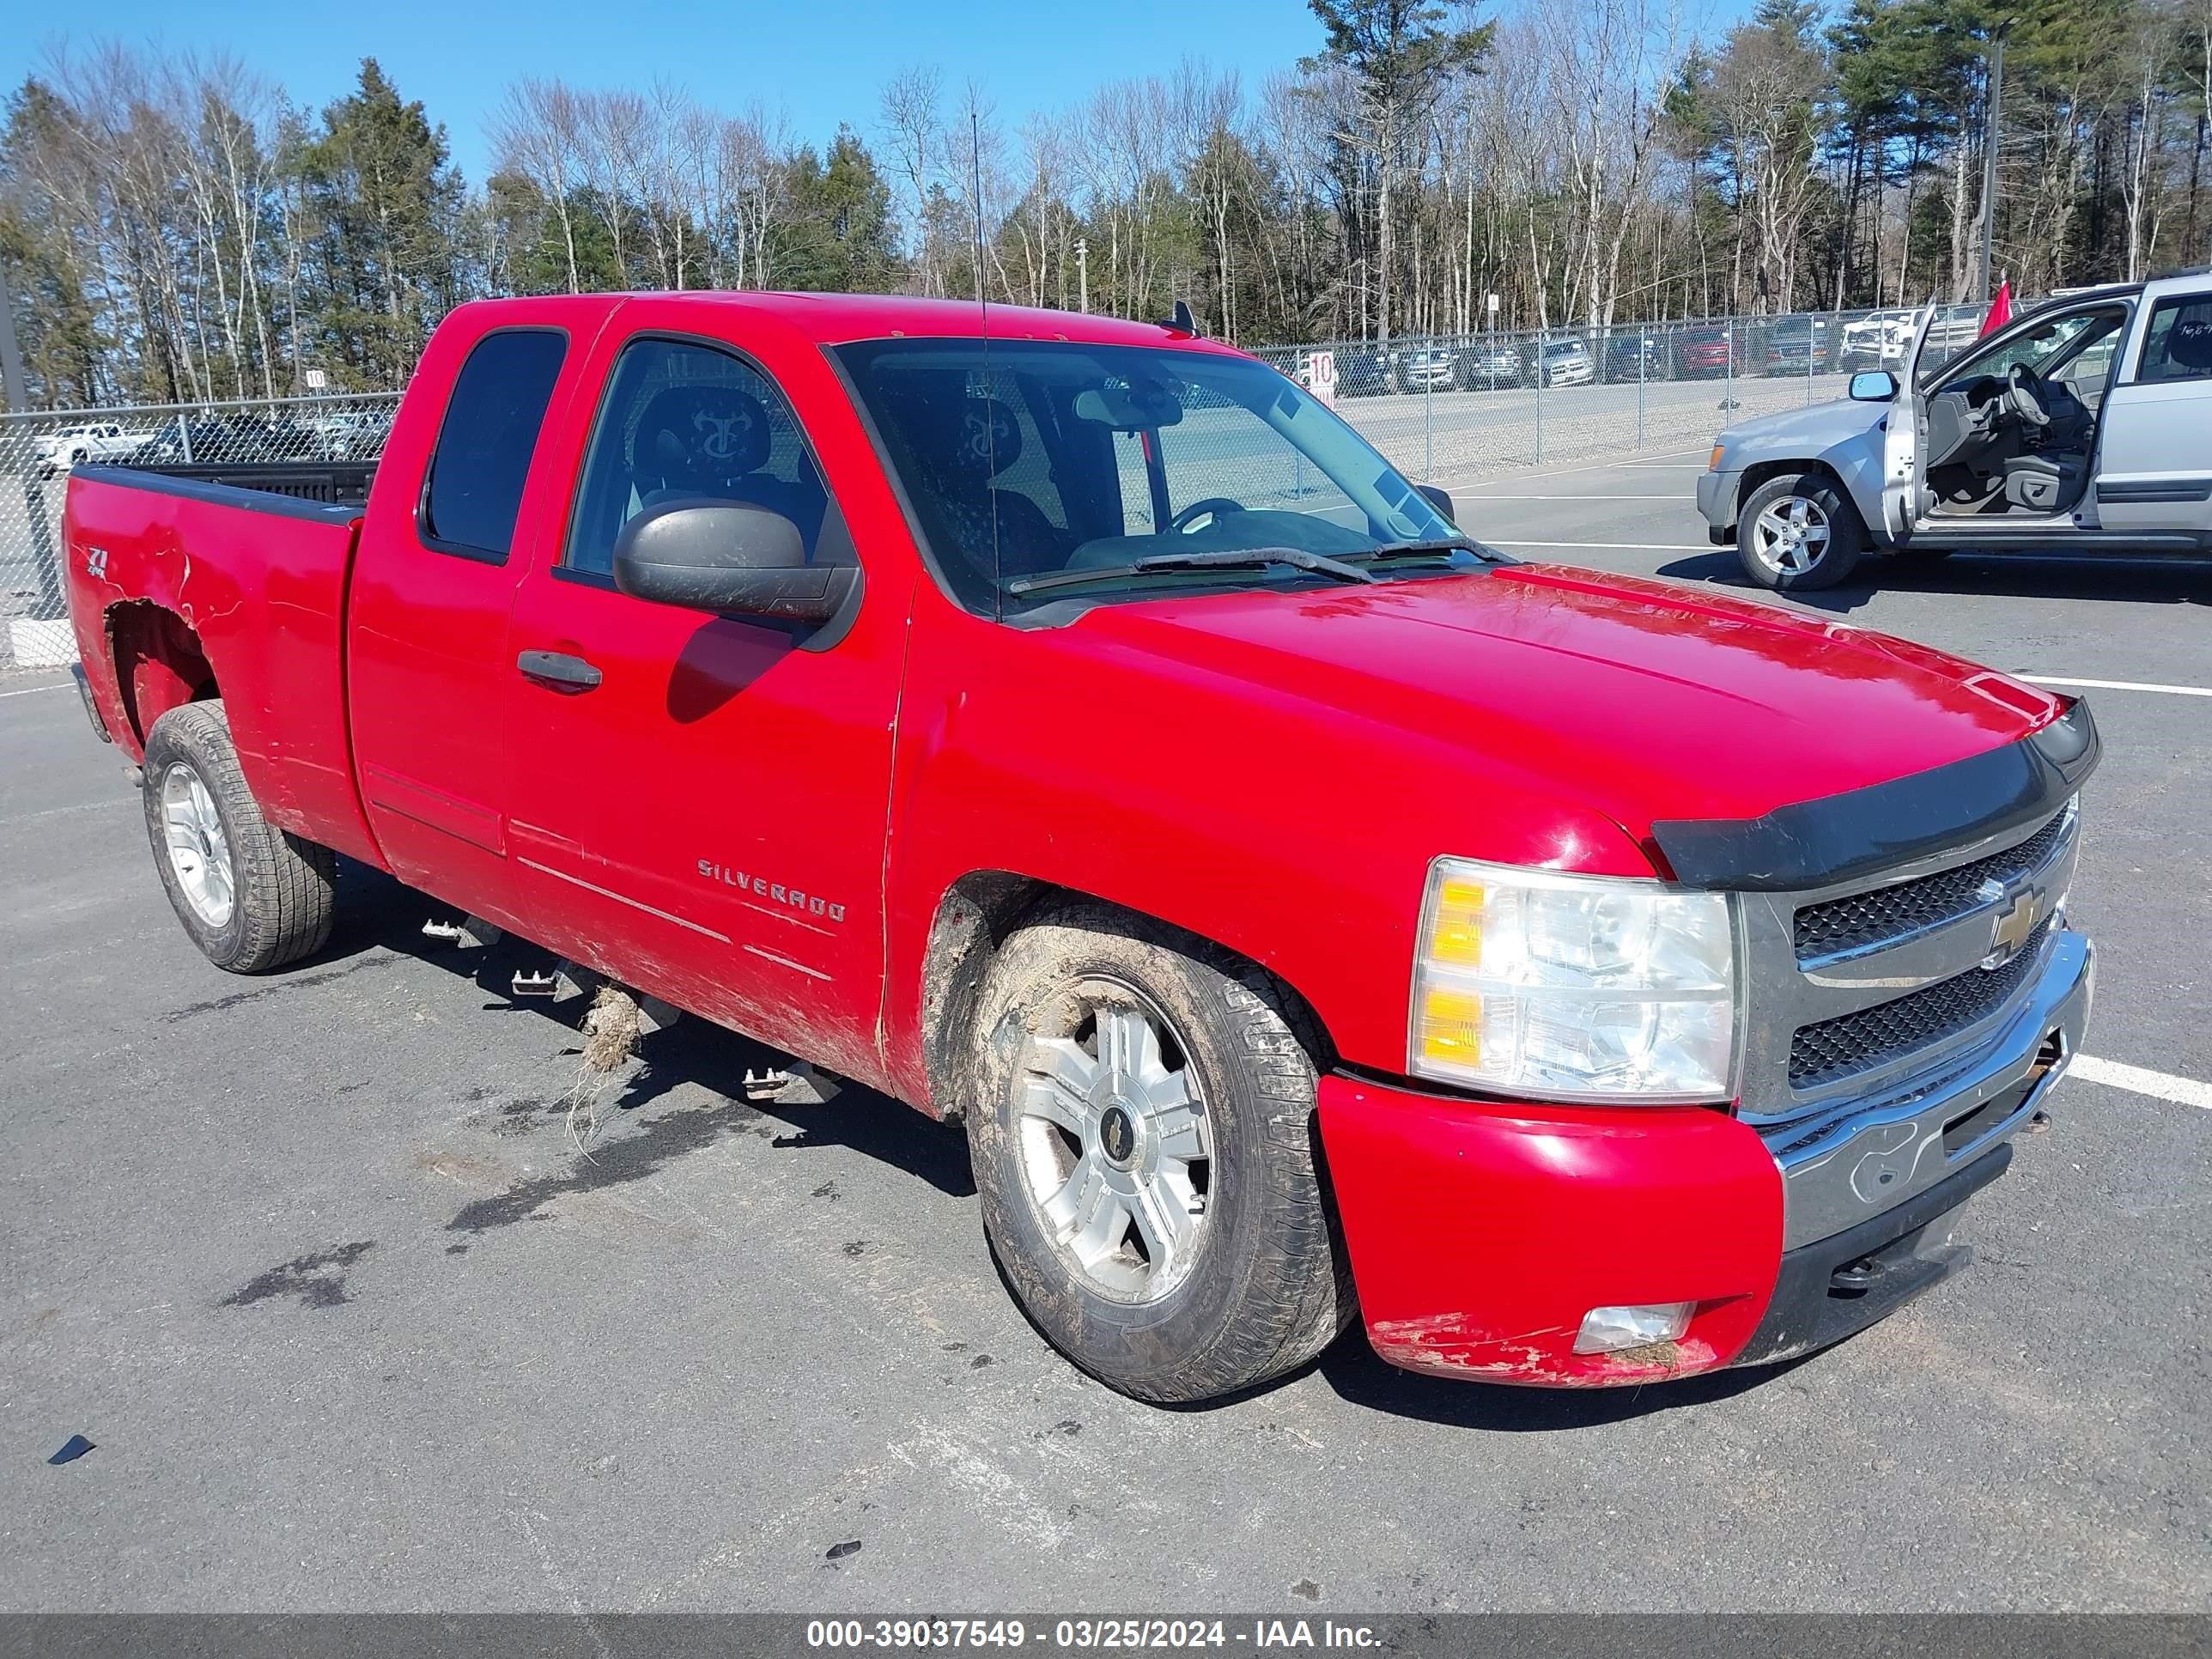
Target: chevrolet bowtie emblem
x=2010 y=931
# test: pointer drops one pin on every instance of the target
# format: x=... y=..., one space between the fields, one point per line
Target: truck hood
x=1638 y=699
x=1805 y=431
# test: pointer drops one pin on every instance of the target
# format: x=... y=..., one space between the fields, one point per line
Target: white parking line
x=1621 y=547
x=56 y=686
x=2160 y=1085
x=2123 y=685
x=1592 y=500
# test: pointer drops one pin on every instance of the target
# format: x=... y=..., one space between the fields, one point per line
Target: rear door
x=433 y=581
x=699 y=802
x=2153 y=462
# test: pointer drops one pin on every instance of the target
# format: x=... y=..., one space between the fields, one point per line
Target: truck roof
x=838 y=319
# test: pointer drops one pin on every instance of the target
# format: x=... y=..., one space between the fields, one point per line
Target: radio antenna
x=983 y=323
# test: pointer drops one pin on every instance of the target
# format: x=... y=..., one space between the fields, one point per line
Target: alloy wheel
x=1791 y=535
x=1115 y=1146
x=199 y=851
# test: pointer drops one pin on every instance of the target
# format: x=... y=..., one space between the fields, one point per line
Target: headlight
x=1573 y=988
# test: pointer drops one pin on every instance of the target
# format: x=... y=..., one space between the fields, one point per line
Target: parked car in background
x=1486 y=364
x=345 y=433
x=89 y=441
x=1564 y=363
x=1362 y=372
x=1708 y=351
x=1425 y=368
x=2082 y=426
x=1637 y=355
x=180 y=441
x=1794 y=345
x=1878 y=341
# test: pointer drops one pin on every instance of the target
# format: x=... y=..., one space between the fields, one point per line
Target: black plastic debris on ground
x=839 y=1551
x=75 y=1447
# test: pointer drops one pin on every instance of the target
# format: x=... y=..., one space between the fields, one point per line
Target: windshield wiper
x=1433 y=545
x=1227 y=558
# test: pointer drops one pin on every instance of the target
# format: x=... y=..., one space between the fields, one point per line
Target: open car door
x=1903 y=441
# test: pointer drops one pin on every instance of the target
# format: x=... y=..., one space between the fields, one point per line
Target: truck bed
x=336 y=484
x=258 y=573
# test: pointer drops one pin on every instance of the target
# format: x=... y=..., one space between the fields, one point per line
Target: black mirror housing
x=728 y=557
x=1873 y=385
x=1440 y=498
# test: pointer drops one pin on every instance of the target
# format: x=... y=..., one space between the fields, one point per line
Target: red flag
x=2000 y=309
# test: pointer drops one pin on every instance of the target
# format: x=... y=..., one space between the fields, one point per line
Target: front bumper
x=1717 y=502
x=1481 y=1233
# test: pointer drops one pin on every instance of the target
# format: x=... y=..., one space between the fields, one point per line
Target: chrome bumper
x=1851 y=1163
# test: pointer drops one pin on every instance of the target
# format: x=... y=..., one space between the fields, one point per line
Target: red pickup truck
x=1071 y=726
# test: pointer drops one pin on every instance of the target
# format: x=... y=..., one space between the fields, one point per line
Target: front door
x=2155 y=443
x=1902 y=467
x=699 y=802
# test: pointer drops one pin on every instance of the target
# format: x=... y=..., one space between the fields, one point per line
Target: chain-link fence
x=1443 y=408
x=37 y=452
x=1452 y=407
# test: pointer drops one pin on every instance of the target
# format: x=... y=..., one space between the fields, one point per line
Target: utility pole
x=13 y=397
x=1994 y=127
x=1082 y=275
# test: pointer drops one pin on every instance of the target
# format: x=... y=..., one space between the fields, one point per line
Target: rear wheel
x=1799 y=532
x=252 y=896
x=1145 y=1152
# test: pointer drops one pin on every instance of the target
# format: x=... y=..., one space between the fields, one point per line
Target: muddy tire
x=252 y=896
x=1799 y=533
x=1146 y=1148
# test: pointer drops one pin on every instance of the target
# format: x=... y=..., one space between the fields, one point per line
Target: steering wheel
x=2024 y=391
x=1217 y=505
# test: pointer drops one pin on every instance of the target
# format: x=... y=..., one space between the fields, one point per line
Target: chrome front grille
x=1870 y=988
x=1833 y=1049
x=1870 y=920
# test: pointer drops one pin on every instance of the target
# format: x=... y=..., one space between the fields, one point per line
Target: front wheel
x=1800 y=532
x=1146 y=1156
x=252 y=896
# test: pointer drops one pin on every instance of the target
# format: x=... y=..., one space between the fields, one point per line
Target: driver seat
x=2043 y=482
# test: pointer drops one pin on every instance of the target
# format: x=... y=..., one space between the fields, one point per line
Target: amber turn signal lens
x=1451 y=1026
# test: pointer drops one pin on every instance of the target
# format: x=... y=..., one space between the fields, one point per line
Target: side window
x=2178 y=345
x=684 y=421
x=473 y=491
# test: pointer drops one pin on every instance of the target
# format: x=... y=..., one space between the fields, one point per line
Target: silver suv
x=2085 y=425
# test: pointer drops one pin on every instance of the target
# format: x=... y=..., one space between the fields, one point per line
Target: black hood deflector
x=1864 y=832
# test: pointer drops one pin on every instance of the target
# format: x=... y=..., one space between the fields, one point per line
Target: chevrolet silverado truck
x=1071 y=728
x=2083 y=426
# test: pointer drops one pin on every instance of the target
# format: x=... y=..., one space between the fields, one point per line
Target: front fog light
x=1608 y=1330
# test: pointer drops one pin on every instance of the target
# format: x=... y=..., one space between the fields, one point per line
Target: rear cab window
x=472 y=489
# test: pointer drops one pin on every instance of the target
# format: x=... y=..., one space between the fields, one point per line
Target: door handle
x=558 y=670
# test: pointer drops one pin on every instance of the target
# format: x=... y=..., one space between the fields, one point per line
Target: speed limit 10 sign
x=1321 y=377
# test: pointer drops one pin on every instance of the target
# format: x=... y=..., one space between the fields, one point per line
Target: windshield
x=1064 y=458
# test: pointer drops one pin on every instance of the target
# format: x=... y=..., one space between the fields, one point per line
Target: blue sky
x=820 y=63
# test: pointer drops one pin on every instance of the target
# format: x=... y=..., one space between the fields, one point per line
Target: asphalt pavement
x=314 y=1261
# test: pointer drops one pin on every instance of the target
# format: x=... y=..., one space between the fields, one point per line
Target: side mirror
x=1874 y=386
x=726 y=556
x=1440 y=499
